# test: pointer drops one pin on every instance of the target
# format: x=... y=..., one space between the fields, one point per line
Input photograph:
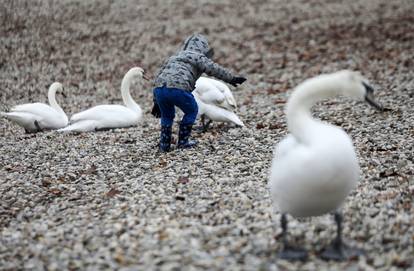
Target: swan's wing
x=39 y=109
x=203 y=84
x=214 y=98
x=208 y=92
x=228 y=95
x=108 y=116
x=216 y=93
x=46 y=116
x=23 y=119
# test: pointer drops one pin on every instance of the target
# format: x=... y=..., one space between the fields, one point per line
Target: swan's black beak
x=145 y=77
x=63 y=93
x=369 y=97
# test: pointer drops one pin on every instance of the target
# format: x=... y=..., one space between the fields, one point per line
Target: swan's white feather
x=283 y=147
x=310 y=180
x=23 y=119
x=82 y=126
x=219 y=114
x=214 y=92
x=228 y=95
x=216 y=113
x=108 y=116
x=215 y=101
x=39 y=109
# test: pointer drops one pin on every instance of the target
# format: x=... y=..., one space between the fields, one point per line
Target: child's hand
x=237 y=81
x=156 y=111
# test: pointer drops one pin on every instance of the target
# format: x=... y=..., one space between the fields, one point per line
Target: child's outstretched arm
x=211 y=68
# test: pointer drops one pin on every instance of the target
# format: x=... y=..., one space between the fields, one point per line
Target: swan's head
x=136 y=72
x=355 y=85
x=57 y=87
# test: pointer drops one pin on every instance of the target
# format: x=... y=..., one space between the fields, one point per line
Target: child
x=174 y=83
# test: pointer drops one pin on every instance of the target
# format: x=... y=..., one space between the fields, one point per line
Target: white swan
x=315 y=167
x=215 y=101
x=36 y=117
x=103 y=117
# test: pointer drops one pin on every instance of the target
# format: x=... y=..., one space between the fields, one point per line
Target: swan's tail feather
x=11 y=116
x=81 y=126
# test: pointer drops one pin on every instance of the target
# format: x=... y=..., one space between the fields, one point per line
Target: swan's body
x=110 y=116
x=215 y=101
x=315 y=167
x=36 y=117
x=215 y=92
x=309 y=180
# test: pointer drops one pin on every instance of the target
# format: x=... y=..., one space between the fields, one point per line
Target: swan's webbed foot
x=341 y=252
x=337 y=250
x=293 y=254
x=204 y=125
x=289 y=252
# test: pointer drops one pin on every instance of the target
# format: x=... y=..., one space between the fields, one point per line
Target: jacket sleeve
x=211 y=68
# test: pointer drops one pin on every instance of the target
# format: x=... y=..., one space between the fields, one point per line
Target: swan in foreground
x=36 y=117
x=103 y=117
x=215 y=101
x=315 y=167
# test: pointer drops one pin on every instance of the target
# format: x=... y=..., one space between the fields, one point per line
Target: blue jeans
x=167 y=98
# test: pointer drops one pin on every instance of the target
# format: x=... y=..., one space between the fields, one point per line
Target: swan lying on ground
x=103 y=117
x=36 y=117
x=215 y=101
x=315 y=167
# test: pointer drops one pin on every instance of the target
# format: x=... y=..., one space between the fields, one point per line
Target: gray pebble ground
x=108 y=200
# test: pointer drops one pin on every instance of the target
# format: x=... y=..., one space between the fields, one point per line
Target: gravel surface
x=108 y=200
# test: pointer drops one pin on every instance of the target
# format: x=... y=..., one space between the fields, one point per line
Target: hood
x=197 y=43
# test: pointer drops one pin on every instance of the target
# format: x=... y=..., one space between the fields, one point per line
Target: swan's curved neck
x=51 y=96
x=298 y=110
x=126 y=95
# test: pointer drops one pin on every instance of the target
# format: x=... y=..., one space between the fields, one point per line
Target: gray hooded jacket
x=184 y=68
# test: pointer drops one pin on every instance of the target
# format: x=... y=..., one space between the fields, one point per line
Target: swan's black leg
x=289 y=252
x=337 y=250
x=203 y=120
x=36 y=123
x=206 y=125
